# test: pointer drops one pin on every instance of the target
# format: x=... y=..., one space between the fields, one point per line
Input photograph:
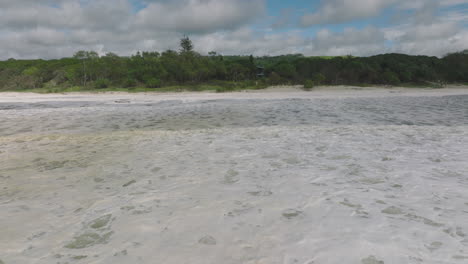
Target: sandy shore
x=282 y=176
x=277 y=92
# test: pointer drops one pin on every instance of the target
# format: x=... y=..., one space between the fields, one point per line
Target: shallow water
x=123 y=115
x=267 y=180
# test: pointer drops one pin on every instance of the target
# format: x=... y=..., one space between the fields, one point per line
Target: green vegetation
x=79 y=257
x=102 y=83
x=308 y=85
x=88 y=239
x=188 y=70
x=100 y=222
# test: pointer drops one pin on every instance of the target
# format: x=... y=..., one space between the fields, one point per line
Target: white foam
x=350 y=192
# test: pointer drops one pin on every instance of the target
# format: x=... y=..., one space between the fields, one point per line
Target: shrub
x=102 y=83
x=59 y=77
x=227 y=87
x=31 y=71
x=52 y=90
x=391 y=78
x=308 y=85
x=221 y=89
x=318 y=78
x=153 y=83
x=274 y=79
x=130 y=82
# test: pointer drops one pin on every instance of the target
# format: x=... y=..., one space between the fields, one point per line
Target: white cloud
x=368 y=41
x=438 y=38
x=58 y=28
x=69 y=14
x=422 y=32
x=31 y=27
x=189 y=16
x=436 y=47
x=246 y=41
x=341 y=11
x=194 y=16
x=416 y=4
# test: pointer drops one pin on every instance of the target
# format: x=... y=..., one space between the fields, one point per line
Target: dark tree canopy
x=186 y=45
x=82 y=54
x=152 y=69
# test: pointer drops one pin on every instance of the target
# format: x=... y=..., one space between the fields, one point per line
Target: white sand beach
x=335 y=175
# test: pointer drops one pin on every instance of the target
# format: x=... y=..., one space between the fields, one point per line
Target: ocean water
x=289 y=178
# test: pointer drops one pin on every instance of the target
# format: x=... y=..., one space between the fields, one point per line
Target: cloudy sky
x=58 y=28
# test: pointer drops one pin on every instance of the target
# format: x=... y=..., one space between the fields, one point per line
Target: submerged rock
x=434 y=246
x=392 y=210
x=88 y=239
x=231 y=177
x=129 y=183
x=79 y=257
x=100 y=222
x=291 y=213
x=261 y=193
x=207 y=240
x=371 y=260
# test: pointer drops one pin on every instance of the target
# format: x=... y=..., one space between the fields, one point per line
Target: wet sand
x=276 y=176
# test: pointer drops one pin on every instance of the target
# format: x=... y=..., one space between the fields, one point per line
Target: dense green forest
x=188 y=69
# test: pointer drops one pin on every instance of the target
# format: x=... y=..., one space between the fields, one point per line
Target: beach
x=366 y=175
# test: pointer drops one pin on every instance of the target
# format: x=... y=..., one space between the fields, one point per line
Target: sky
x=50 y=29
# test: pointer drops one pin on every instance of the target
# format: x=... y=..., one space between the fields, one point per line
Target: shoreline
x=274 y=92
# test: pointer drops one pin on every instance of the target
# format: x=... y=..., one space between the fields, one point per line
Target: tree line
x=154 y=70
